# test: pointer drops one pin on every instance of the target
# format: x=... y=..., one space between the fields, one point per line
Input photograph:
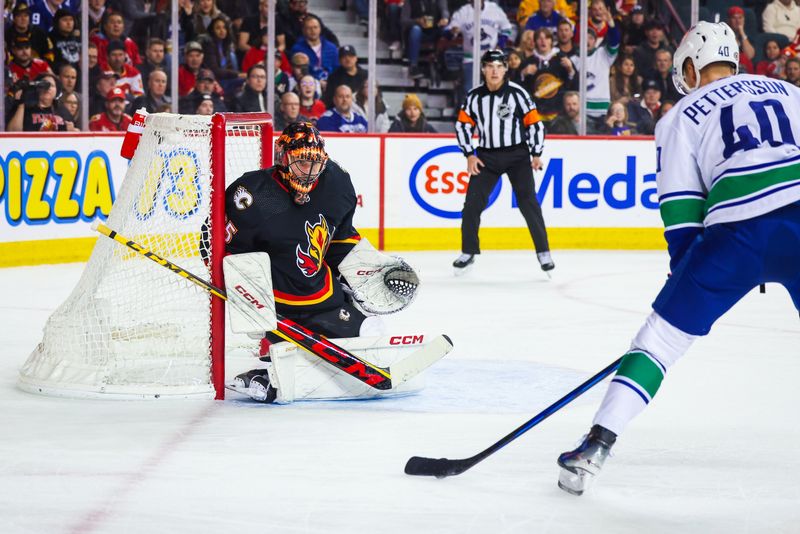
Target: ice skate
x=546 y=262
x=256 y=385
x=581 y=466
x=463 y=264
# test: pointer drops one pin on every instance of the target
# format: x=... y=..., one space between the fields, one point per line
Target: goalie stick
x=377 y=377
x=444 y=467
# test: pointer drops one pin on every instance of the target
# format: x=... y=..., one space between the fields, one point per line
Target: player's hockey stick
x=444 y=467
x=377 y=377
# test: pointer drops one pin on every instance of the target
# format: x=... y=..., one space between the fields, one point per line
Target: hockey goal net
x=131 y=328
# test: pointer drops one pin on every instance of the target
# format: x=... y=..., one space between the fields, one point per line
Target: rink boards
x=596 y=193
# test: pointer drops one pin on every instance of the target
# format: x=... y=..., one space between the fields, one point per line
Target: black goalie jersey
x=305 y=242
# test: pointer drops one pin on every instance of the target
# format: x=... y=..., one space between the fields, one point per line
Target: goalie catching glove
x=379 y=284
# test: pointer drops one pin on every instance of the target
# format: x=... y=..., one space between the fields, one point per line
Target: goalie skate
x=580 y=467
x=255 y=384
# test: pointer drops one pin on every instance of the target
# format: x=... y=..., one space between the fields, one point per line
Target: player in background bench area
x=300 y=211
x=728 y=178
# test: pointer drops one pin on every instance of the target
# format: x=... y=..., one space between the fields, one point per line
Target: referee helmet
x=494 y=56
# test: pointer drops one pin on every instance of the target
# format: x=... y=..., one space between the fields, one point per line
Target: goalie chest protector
x=305 y=242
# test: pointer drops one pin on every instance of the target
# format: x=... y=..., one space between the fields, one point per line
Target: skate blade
x=574 y=483
x=462 y=271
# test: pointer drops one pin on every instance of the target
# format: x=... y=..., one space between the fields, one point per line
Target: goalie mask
x=300 y=157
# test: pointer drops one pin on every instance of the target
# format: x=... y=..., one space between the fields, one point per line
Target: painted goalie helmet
x=300 y=157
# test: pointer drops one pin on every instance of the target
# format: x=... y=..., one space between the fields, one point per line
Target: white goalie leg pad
x=248 y=284
x=379 y=283
x=299 y=375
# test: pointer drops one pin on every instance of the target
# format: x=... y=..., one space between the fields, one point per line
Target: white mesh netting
x=130 y=328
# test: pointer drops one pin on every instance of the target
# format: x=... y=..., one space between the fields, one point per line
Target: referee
x=511 y=140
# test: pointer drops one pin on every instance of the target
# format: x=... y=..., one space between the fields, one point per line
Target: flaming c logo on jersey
x=319 y=236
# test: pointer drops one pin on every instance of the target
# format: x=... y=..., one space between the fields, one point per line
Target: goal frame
x=219 y=124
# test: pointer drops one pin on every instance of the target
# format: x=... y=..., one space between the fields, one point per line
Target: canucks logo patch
x=242 y=198
x=309 y=261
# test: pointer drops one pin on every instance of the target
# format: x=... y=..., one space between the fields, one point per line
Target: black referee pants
x=516 y=162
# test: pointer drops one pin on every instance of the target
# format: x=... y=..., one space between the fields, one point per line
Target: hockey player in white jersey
x=728 y=178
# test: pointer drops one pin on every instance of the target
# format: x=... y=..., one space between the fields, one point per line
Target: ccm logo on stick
x=405 y=340
x=248 y=297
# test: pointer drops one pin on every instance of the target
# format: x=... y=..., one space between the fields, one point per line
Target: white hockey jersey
x=728 y=152
x=494 y=24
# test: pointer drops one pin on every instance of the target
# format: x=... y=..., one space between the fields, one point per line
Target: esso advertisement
x=585 y=183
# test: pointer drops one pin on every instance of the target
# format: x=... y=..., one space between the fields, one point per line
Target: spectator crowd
x=224 y=45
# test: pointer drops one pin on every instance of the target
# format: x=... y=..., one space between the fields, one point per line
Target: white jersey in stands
x=728 y=152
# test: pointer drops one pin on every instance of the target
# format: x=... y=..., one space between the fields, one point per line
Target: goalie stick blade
x=405 y=370
x=433 y=467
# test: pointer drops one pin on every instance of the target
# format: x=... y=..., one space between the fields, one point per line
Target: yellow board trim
x=519 y=238
x=78 y=249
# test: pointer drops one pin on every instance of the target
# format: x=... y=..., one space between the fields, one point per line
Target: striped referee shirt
x=504 y=118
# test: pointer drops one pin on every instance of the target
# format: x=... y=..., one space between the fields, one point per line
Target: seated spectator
x=781 y=16
x=633 y=30
x=69 y=106
x=645 y=54
x=144 y=19
x=773 y=63
x=155 y=59
x=300 y=68
x=66 y=44
x=193 y=56
x=155 y=99
x=666 y=105
x=97 y=10
x=254 y=28
x=41 y=47
x=310 y=104
x=616 y=122
x=565 y=40
x=361 y=107
x=568 y=120
x=323 y=54
x=23 y=65
x=254 y=93
x=113 y=29
x=625 y=81
x=43 y=11
x=128 y=77
x=422 y=20
x=204 y=104
x=526 y=46
x=348 y=72
x=495 y=31
x=598 y=20
x=291 y=24
x=68 y=77
x=545 y=17
x=35 y=109
x=746 y=50
x=663 y=76
x=565 y=8
x=514 y=66
x=288 y=112
x=219 y=55
x=102 y=84
x=342 y=118
x=196 y=16
x=94 y=64
x=204 y=83
x=644 y=112
x=546 y=77
x=114 y=118
x=411 y=118
x=258 y=54
x=792 y=71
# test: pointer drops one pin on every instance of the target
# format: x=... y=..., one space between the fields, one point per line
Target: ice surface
x=715 y=451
